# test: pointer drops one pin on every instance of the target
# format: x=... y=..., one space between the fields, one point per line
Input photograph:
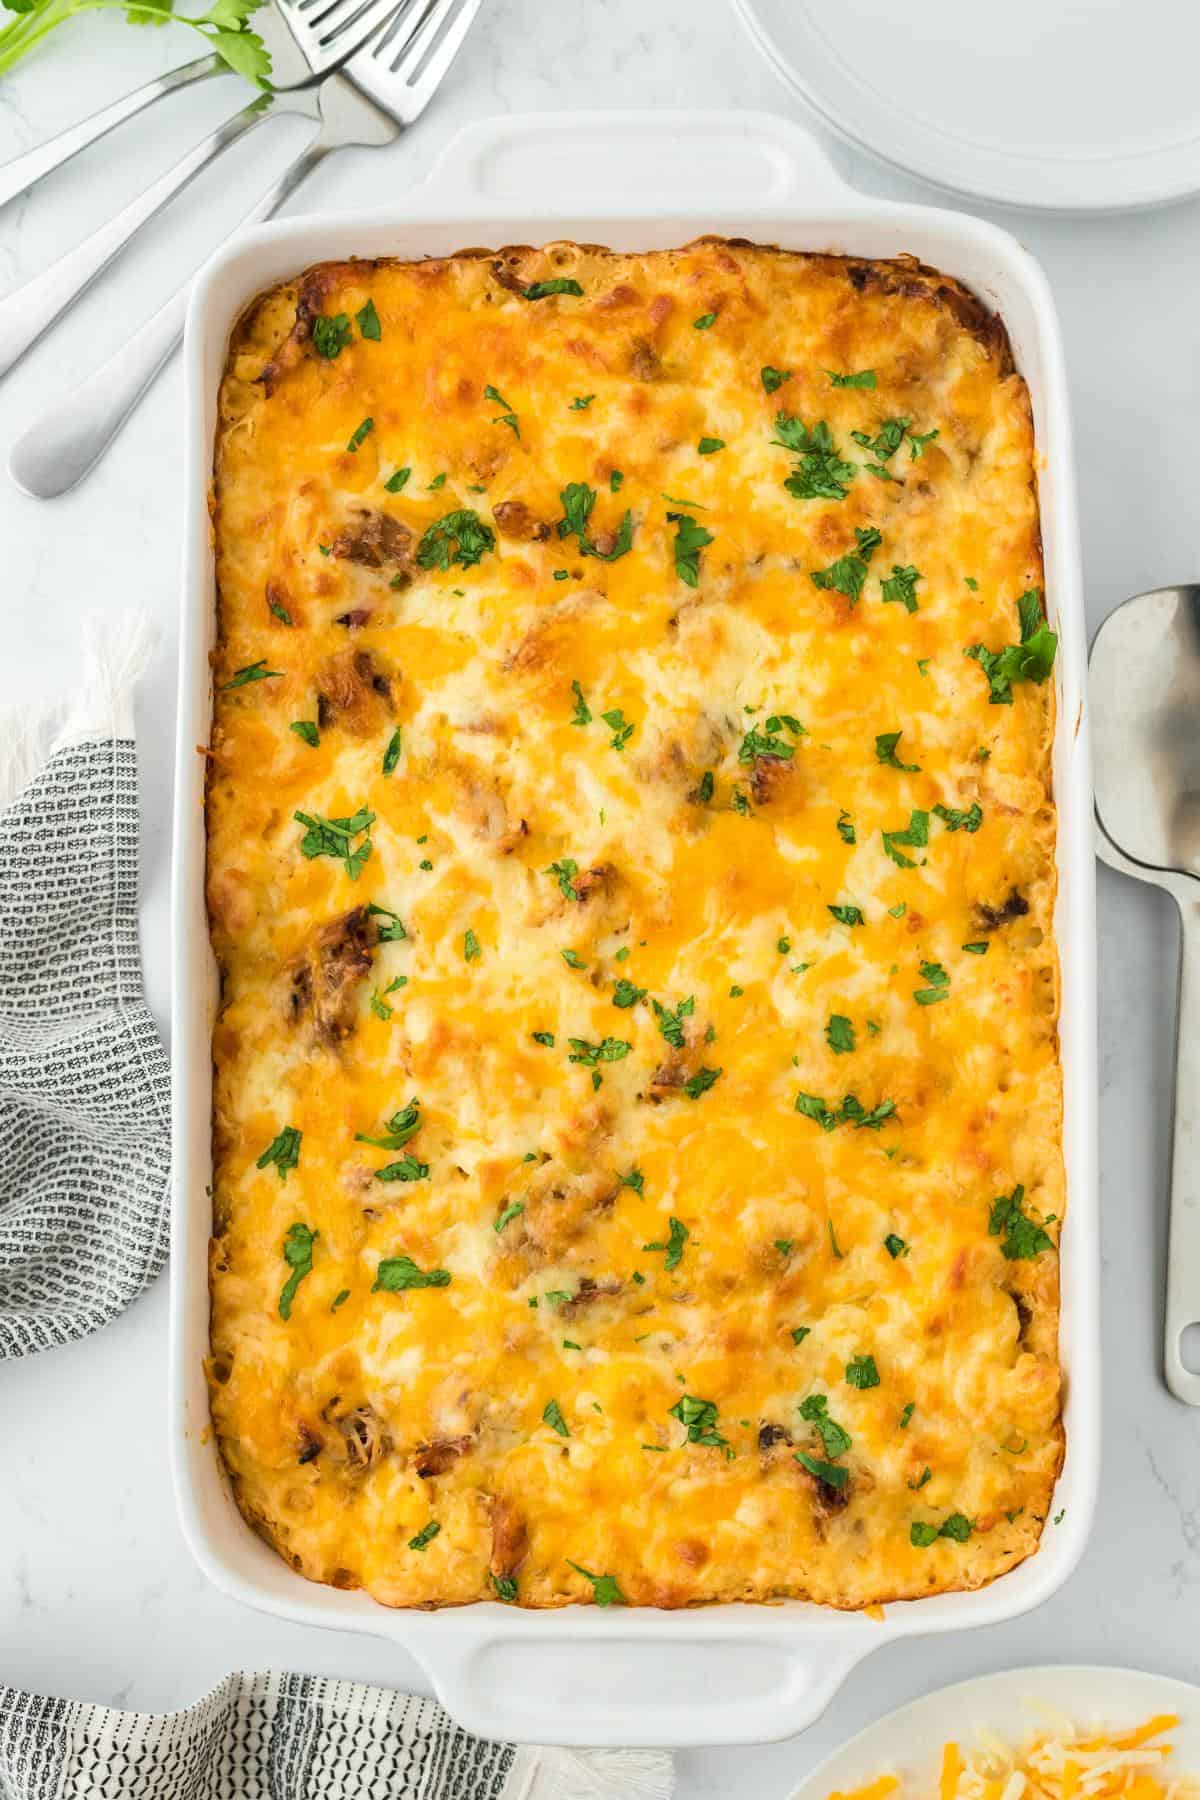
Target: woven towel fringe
x=115 y=653
x=544 y=1774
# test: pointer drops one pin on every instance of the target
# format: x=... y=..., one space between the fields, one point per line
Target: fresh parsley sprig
x=224 y=27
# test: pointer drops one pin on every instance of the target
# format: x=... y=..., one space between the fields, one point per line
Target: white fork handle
x=20 y=172
x=59 y=448
x=33 y=308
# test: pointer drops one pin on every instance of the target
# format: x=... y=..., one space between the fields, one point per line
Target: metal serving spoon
x=1145 y=689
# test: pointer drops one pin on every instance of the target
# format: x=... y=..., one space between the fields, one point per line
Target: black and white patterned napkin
x=294 y=1737
x=84 y=1079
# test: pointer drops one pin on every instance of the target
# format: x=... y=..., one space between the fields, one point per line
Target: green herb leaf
x=298 y=1254
x=885 y=752
x=572 y=960
x=457 y=537
x=678 y=1235
x=578 y=499
x=939 y=985
x=409 y=1168
x=330 y=336
x=865 y=378
x=847 y=915
x=773 y=379
x=1030 y=660
x=368 y=322
x=402 y=1126
x=839 y=1034
x=391 y=755
x=425 y=1536
x=635 y=1180
x=1024 y=1238
x=907 y=1414
x=705 y=322
x=690 y=539
x=391 y=931
x=396 y=1274
x=581 y=402
x=800 y=1332
x=886 y=442
x=605 y=1591
x=670 y=1021
x=834 y=1475
x=558 y=284
x=815 y=1410
x=471 y=947
x=849 y=572
x=507 y=416
x=699 y=1419
x=845 y=829
x=609 y=1050
x=280 y=611
x=701 y=1081
x=335 y=837
x=708 y=446
x=511 y=1212
x=862 y=1373
x=915 y=837
x=306 y=729
x=439 y=481
x=895 y=1246
x=397 y=480
x=980 y=949
x=552 y=1416
x=626 y=993
x=622 y=731
x=917 y=441
x=821 y=473
x=380 y=1008
x=283 y=1152
x=506 y=1588
x=256 y=671
x=360 y=433
x=563 y=872
x=901 y=586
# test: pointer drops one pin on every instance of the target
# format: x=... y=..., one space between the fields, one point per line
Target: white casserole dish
x=633 y=181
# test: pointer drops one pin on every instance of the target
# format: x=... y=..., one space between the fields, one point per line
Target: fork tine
x=329 y=20
x=431 y=50
x=411 y=27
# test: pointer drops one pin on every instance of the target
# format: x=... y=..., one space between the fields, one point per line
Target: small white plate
x=1062 y=105
x=909 y=1742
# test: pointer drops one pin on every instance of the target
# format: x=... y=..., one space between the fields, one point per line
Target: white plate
x=909 y=1742
x=1063 y=105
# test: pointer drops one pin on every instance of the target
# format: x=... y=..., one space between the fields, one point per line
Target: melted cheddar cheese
x=637 y=1116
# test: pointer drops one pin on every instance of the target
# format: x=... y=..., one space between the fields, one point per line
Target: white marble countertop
x=99 y=1599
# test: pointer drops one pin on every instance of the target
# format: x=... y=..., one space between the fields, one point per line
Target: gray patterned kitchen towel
x=294 y=1737
x=84 y=1080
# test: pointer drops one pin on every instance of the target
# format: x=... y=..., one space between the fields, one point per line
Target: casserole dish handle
x=604 y=162
x=642 y=1680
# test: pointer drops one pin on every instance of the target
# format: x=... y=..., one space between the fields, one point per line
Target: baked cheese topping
x=631 y=873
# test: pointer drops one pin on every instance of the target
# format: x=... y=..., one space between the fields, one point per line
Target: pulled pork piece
x=377 y=540
x=514 y=520
x=442 y=1454
x=354 y=693
x=365 y=1437
x=770 y=1435
x=589 y=1292
x=325 y=982
x=645 y=364
x=991 y=918
x=769 y=775
x=510 y=1539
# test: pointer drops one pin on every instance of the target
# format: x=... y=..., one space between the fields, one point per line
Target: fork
x=31 y=309
x=400 y=70
x=325 y=32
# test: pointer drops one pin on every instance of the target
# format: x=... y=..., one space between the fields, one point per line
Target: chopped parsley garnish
x=391 y=755
x=609 y=1050
x=360 y=434
x=914 y=837
x=708 y=446
x=834 y=1246
x=578 y=499
x=883 y=446
x=901 y=585
x=895 y=1246
x=635 y=1180
x=850 y=1112
x=979 y=949
x=620 y=727
x=862 y=1373
x=865 y=378
x=821 y=473
x=552 y=1416
x=939 y=985
x=800 y=1332
x=557 y=284
x=457 y=537
x=956 y=1526
x=839 y=1034
x=898 y=912
x=402 y=1126
x=409 y=1168
x=701 y=1081
x=306 y=729
x=954 y=820
x=1024 y=1238
x=425 y=1536
x=511 y=1212
x=626 y=993
x=471 y=947
x=283 y=1152
x=339 y=1299
x=583 y=715
x=335 y=837
x=572 y=959
x=1030 y=660
x=907 y=1414
x=766 y=740
x=926 y=1475
x=439 y=481
x=815 y=1410
x=670 y=1022
x=847 y=915
x=616 y=481
x=506 y=416
x=773 y=379
x=396 y=1274
x=704 y=322
x=545 y=1038
x=380 y=1008
x=699 y=1419
x=690 y=540
x=331 y=335
x=917 y=441
x=581 y=402
x=885 y=752
x=849 y=572
x=678 y=1235
x=845 y=828
x=280 y=611
x=834 y=1475
x=564 y=871
x=368 y=322
x=971 y=583
x=391 y=931
x=298 y=1254
x=605 y=1591
x=506 y=1588
x=255 y=671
